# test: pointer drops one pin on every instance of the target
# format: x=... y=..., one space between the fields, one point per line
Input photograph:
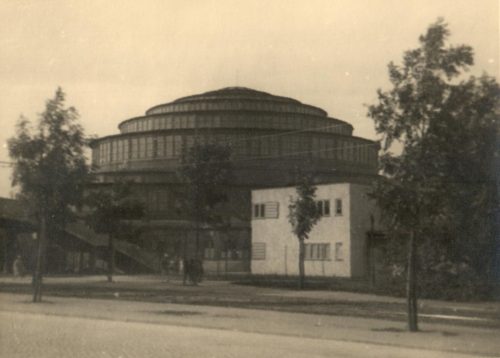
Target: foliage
x=110 y=207
x=442 y=184
x=205 y=169
x=49 y=162
x=303 y=213
x=50 y=171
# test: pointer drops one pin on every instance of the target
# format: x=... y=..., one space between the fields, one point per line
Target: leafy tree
x=50 y=171
x=303 y=214
x=109 y=209
x=439 y=192
x=206 y=169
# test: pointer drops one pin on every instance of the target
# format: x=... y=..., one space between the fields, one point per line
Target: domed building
x=270 y=137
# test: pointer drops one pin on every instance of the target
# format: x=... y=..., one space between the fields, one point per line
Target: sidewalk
x=155 y=282
x=493 y=307
x=432 y=337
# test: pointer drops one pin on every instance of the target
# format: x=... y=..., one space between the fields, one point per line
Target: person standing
x=186 y=272
x=165 y=267
x=18 y=267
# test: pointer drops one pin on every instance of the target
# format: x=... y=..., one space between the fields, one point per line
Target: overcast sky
x=115 y=59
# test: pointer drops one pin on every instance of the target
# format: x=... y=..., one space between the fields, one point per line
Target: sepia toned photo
x=249 y=178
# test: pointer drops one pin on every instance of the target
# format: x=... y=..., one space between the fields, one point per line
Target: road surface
x=47 y=336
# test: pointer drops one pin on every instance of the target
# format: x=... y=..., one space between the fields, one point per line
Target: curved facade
x=270 y=136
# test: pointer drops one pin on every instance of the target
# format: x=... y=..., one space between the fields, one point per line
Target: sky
x=115 y=59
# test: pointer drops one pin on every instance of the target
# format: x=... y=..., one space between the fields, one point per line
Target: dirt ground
x=219 y=293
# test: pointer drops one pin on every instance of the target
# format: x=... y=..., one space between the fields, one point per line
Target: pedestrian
x=186 y=265
x=176 y=264
x=199 y=270
x=193 y=272
x=196 y=271
x=18 y=267
x=165 y=267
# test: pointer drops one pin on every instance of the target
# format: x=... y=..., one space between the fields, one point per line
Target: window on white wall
x=323 y=207
x=269 y=210
x=258 y=211
x=339 y=251
x=258 y=251
x=338 y=206
x=317 y=251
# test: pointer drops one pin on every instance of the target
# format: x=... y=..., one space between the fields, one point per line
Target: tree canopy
x=303 y=214
x=206 y=169
x=442 y=184
x=50 y=170
x=49 y=162
x=110 y=208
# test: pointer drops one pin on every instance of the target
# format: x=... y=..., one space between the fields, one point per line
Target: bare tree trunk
x=92 y=260
x=161 y=253
x=5 y=266
x=197 y=250
x=184 y=260
x=301 y=264
x=111 y=257
x=9 y=239
x=38 y=272
x=411 y=285
x=80 y=263
x=226 y=257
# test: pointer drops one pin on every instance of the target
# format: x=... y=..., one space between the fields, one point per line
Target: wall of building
x=334 y=230
x=344 y=233
x=269 y=136
x=164 y=148
x=363 y=211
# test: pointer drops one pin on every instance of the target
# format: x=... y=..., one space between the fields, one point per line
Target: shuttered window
x=258 y=251
x=269 y=210
x=317 y=252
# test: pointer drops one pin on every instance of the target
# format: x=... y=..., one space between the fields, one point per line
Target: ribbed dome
x=236 y=93
x=265 y=131
x=236 y=98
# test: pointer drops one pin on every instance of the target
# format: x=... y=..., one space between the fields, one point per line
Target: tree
x=109 y=209
x=303 y=214
x=50 y=171
x=206 y=169
x=439 y=192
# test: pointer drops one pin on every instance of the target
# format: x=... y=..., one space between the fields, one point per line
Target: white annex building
x=337 y=245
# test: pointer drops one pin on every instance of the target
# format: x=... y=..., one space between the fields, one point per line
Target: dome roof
x=241 y=98
x=236 y=93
